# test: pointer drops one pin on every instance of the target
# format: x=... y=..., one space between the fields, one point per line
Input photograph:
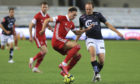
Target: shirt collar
x=67 y=18
x=44 y=15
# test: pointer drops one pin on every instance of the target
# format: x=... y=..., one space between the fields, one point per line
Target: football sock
x=39 y=60
x=11 y=53
x=38 y=55
x=73 y=62
x=95 y=67
x=100 y=66
x=71 y=53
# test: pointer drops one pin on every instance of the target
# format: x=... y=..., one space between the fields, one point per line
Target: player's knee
x=78 y=47
x=44 y=52
x=101 y=62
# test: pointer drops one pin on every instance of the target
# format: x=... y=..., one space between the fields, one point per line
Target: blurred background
x=122 y=14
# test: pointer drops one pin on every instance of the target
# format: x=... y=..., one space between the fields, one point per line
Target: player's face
x=11 y=13
x=88 y=9
x=73 y=14
x=44 y=8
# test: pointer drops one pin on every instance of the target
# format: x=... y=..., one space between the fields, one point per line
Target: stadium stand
x=119 y=17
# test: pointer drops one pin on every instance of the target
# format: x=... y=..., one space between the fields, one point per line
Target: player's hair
x=11 y=9
x=44 y=3
x=71 y=9
x=90 y=3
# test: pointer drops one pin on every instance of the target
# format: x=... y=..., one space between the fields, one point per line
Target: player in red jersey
x=60 y=43
x=39 y=39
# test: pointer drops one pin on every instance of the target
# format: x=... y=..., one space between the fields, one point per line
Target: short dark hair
x=90 y=3
x=44 y=2
x=71 y=9
x=11 y=9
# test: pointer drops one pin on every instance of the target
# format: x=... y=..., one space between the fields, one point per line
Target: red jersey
x=38 y=21
x=62 y=27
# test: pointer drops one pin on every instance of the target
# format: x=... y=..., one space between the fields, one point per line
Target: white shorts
x=6 y=39
x=97 y=44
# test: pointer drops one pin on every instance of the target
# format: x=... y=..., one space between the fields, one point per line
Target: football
x=68 y=79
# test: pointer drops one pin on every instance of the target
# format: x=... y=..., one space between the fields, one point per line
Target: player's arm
x=2 y=27
x=45 y=24
x=113 y=29
x=78 y=36
x=79 y=32
x=30 y=31
x=50 y=28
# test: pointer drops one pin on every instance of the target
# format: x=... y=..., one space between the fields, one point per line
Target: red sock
x=39 y=60
x=38 y=55
x=73 y=62
x=71 y=53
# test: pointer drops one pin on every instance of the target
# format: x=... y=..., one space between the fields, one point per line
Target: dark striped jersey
x=8 y=23
x=96 y=18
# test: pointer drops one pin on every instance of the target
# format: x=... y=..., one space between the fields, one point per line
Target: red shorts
x=40 y=42
x=59 y=46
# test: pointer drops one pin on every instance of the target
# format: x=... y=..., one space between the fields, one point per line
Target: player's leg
x=43 y=50
x=92 y=49
x=3 y=41
x=11 y=44
x=101 y=57
x=73 y=49
x=74 y=61
x=100 y=53
x=16 y=42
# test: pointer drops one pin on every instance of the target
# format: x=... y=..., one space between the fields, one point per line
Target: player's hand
x=41 y=32
x=120 y=34
x=8 y=32
x=90 y=26
x=31 y=39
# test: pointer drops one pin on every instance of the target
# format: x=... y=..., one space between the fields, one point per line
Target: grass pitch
x=122 y=65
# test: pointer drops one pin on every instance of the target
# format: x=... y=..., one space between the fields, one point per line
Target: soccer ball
x=68 y=79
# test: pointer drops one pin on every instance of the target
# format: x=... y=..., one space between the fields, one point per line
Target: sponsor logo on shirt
x=89 y=22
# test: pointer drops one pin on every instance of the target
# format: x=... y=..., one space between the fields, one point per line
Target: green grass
x=122 y=65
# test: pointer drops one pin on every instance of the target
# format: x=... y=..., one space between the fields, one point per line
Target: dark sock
x=11 y=53
x=95 y=66
x=0 y=46
x=100 y=66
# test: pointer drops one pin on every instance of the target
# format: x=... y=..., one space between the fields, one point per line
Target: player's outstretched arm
x=113 y=29
x=50 y=28
x=45 y=24
x=30 y=30
x=7 y=32
x=79 y=32
x=78 y=36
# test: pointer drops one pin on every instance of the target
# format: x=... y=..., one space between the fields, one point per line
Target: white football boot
x=31 y=63
x=11 y=61
x=96 y=77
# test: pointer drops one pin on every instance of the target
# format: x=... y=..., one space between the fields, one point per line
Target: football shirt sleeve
x=57 y=18
x=80 y=22
x=102 y=18
x=3 y=21
x=35 y=19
